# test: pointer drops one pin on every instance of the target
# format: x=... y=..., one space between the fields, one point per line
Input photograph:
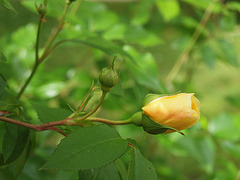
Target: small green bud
x=108 y=78
x=42 y=10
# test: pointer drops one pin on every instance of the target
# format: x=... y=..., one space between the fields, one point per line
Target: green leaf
x=144 y=69
x=86 y=148
x=208 y=55
x=103 y=45
x=223 y=126
x=3 y=84
x=20 y=162
x=7 y=5
x=46 y=114
x=2 y=131
x=14 y=142
x=86 y=174
x=227 y=52
x=106 y=173
x=140 y=168
x=2 y=57
x=169 y=9
x=121 y=168
x=234 y=6
x=142 y=12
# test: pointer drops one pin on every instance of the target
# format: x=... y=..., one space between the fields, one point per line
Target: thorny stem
x=183 y=58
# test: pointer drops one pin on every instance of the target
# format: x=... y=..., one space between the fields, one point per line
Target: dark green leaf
x=86 y=174
x=86 y=148
x=106 y=173
x=14 y=142
x=121 y=168
x=7 y=4
x=2 y=131
x=20 y=162
x=140 y=168
x=46 y=114
x=3 y=84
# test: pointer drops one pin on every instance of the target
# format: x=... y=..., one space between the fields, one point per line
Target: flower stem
x=36 y=60
x=107 y=121
x=59 y=28
x=94 y=109
x=40 y=127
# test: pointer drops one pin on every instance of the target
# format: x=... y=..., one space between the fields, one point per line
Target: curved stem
x=95 y=109
x=107 y=121
x=59 y=28
x=40 y=127
x=36 y=60
x=183 y=58
x=28 y=81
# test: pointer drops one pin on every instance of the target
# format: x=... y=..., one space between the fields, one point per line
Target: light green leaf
x=86 y=148
x=140 y=168
x=103 y=45
x=169 y=9
x=227 y=52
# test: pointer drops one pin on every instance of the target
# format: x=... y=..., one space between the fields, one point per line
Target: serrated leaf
x=86 y=148
x=7 y=5
x=46 y=114
x=140 y=168
x=14 y=142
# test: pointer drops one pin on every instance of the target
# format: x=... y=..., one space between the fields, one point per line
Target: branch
x=41 y=127
x=183 y=58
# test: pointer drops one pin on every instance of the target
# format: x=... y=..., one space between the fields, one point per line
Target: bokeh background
x=163 y=46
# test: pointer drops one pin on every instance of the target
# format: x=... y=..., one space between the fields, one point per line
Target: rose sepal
x=153 y=127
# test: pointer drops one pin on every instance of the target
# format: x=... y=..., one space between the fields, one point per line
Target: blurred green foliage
x=148 y=36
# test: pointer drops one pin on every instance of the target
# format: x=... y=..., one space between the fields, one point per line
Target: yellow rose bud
x=179 y=111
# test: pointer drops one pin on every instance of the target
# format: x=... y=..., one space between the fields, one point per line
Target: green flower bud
x=42 y=10
x=108 y=78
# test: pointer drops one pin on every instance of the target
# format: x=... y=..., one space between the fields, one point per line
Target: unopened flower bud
x=42 y=10
x=108 y=78
x=168 y=114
